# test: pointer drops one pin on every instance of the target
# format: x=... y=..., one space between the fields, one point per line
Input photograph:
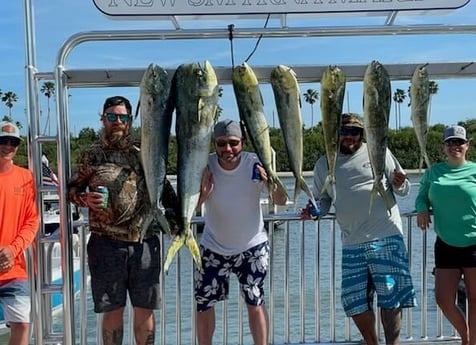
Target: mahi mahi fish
x=196 y=93
x=156 y=120
x=287 y=96
x=332 y=98
x=376 y=102
x=250 y=106
x=419 y=101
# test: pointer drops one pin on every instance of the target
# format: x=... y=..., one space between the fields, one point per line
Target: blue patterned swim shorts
x=380 y=267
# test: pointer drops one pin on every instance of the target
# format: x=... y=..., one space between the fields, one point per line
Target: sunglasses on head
x=112 y=117
x=223 y=143
x=350 y=131
x=15 y=142
x=455 y=142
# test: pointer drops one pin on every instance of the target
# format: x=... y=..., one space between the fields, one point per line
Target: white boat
x=51 y=220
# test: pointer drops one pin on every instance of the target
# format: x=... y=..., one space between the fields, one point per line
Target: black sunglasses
x=15 y=142
x=223 y=143
x=455 y=142
x=351 y=131
x=112 y=117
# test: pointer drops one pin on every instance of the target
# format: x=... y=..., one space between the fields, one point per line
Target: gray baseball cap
x=455 y=132
x=227 y=128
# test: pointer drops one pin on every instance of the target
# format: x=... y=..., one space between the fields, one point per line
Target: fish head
x=284 y=76
x=333 y=78
x=153 y=79
x=244 y=77
x=207 y=81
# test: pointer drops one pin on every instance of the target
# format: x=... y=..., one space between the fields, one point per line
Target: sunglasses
x=15 y=142
x=112 y=117
x=223 y=143
x=455 y=142
x=350 y=131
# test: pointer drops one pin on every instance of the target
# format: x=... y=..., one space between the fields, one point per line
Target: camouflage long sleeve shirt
x=120 y=170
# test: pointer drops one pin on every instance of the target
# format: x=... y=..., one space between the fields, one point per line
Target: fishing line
x=231 y=27
x=259 y=39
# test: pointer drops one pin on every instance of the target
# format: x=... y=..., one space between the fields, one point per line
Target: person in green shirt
x=448 y=189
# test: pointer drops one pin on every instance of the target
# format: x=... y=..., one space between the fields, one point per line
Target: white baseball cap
x=8 y=129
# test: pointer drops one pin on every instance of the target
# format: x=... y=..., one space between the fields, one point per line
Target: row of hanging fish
x=376 y=104
x=193 y=94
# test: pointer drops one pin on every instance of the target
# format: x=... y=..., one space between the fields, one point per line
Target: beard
x=350 y=149
x=117 y=138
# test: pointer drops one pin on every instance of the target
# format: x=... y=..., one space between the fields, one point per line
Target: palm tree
x=433 y=90
x=9 y=98
x=48 y=89
x=311 y=96
x=398 y=97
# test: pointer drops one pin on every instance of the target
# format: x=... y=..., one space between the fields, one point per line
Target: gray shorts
x=15 y=301
x=119 y=267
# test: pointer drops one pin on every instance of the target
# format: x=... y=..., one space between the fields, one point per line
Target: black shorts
x=447 y=256
x=119 y=267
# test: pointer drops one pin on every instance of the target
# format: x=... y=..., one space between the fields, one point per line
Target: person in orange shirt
x=19 y=222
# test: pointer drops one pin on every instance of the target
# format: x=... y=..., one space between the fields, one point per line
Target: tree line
x=402 y=142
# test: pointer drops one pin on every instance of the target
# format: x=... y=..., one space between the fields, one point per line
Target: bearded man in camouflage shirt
x=119 y=262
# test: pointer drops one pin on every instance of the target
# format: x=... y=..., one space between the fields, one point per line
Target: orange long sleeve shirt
x=19 y=219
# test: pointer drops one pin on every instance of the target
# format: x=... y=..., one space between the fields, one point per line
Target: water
x=295 y=277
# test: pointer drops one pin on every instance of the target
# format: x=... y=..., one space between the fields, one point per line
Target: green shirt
x=451 y=193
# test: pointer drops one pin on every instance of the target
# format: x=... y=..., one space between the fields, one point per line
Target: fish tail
x=330 y=180
x=373 y=194
x=308 y=192
x=334 y=193
x=427 y=159
x=274 y=180
x=176 y=244
x=162 y=220
x=297 y=188
x=145 y=226
x=192 y=246
x=378 y=188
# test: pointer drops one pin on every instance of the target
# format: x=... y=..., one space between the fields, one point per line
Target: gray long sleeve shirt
x=354 y=181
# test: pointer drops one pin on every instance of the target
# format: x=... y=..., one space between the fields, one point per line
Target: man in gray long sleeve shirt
x=374 y=257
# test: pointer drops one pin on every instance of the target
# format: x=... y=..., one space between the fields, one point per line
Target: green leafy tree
x=311 y=96
x=398 y=97
x=48 y=89
x=9 y=98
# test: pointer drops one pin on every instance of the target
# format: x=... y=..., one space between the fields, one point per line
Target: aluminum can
x=103 y=190
x=315 y=212
x=255 y=175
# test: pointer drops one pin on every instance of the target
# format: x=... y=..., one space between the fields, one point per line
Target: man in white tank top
x=234 y=239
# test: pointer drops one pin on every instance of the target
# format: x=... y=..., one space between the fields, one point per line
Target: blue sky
x=57 y=20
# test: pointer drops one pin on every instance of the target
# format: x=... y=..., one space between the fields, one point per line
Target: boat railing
x=302 y=291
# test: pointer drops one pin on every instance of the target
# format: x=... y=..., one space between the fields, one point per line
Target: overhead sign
x=159 y=8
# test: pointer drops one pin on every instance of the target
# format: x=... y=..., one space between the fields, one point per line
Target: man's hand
x=398 y=179
x=6 y=259
x=305 y=213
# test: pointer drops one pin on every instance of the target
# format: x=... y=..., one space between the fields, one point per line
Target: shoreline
x=309 y=173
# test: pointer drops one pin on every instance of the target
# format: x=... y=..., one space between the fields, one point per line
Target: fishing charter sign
x=149 y=9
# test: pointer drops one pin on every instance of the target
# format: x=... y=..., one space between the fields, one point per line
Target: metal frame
x=85 y=78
